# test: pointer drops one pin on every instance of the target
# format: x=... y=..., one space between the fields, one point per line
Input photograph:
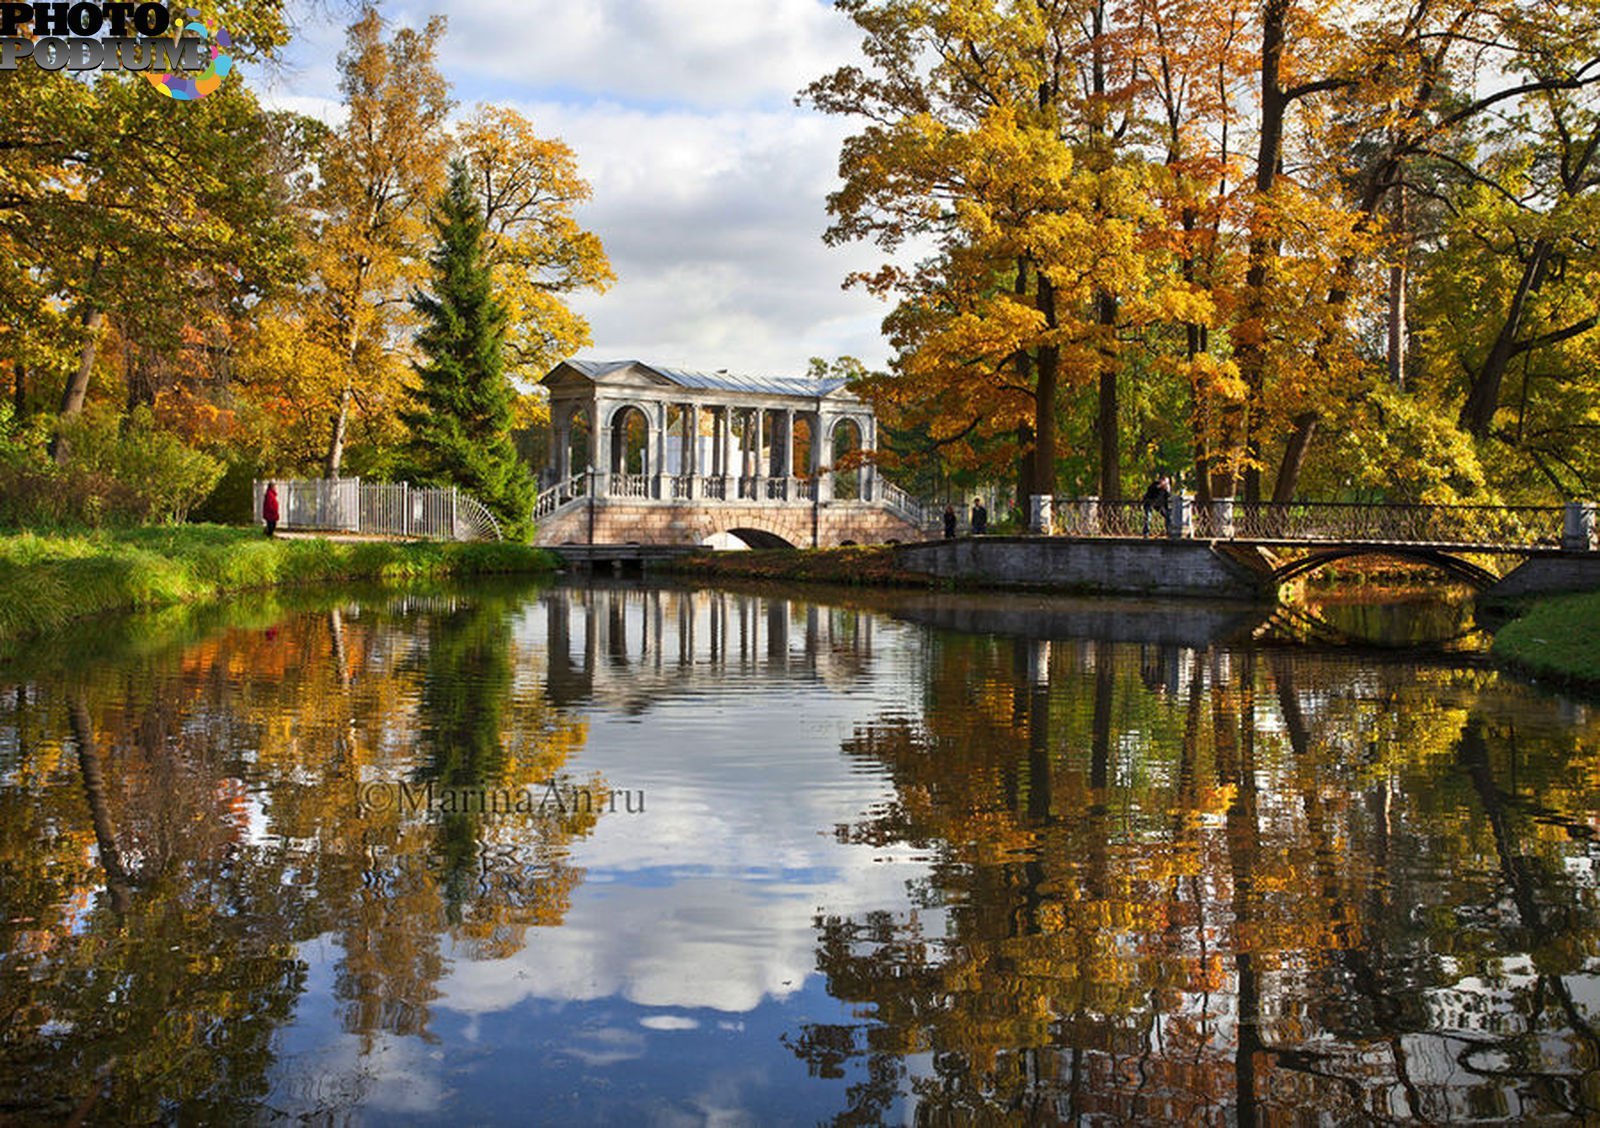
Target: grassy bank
x=872 y=565
x=1558 y=637
x=49 y=580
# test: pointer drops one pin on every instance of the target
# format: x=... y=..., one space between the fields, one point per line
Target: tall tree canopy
x=1174 y=230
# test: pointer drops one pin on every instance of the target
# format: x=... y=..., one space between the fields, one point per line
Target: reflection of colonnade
x=633 y=645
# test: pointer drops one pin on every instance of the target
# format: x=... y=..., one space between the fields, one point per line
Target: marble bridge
x=649 y=455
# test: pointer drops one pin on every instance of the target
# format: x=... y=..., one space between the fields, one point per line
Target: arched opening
x=630 y=442
x=846 y=460
x=580 y=435
x=805 y=443
x=1453 y=566
x=760 y=538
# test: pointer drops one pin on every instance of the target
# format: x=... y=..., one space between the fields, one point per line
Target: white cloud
x=709 y=184
x=706 y=53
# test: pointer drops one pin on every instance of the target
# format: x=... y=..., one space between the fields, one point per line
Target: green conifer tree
x=461 y=420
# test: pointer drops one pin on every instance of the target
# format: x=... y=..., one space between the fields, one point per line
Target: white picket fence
x=395 y=509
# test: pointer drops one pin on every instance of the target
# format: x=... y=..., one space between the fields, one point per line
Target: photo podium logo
x=184 y=58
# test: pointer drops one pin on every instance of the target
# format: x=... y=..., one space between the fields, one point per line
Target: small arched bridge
x=1294 y=539
x=1237 y=550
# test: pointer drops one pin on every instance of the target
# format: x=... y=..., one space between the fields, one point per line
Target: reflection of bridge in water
x=628 y=647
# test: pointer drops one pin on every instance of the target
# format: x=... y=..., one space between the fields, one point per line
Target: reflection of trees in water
x=1294 y=883
x=173 y=827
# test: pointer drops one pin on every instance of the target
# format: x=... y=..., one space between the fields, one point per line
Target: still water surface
x=637 y=854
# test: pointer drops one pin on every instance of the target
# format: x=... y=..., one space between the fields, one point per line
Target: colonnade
x=725 y=451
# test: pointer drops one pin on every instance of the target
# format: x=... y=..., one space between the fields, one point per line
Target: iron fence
x=379 y=509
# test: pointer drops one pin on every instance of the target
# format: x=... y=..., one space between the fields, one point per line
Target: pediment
x=580 y=374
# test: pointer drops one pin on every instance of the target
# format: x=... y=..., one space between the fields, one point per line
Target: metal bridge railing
x=1313 y=522
x=379 y=509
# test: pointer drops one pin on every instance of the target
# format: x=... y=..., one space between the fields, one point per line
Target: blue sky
x=709 y=182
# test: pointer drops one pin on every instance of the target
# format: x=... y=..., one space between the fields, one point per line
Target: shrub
x=170 y=476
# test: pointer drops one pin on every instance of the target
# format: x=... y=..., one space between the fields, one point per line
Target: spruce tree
x=461 y=420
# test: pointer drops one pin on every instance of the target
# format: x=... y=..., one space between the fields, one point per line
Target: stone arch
x=758 y=528
x=759 y=538
x=630 y=432
x=846 y=438
x=1464 y=570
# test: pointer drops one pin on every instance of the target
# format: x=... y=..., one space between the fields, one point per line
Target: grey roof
x=720 y=381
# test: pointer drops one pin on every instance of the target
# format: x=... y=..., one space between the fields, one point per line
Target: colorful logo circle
x=190 y=86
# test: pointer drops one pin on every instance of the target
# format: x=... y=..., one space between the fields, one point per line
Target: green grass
x=1557 y=637
x=49 y=580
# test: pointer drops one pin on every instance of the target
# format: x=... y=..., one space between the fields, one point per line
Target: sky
x=710 y=184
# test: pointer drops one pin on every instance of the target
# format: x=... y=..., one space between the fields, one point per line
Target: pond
x=626 y=852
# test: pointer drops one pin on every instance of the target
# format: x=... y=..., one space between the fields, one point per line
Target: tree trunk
x=1294 y=457
x=1398 y=280
x=1044 y=403
x=77 y=387
x=1024 y=464
x=341 y=421
x=1483 y=399
x=19 y=395
x=1106 y=424
x=1251 y=353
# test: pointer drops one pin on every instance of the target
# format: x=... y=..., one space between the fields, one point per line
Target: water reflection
x=904 y=857
x=1218 y=884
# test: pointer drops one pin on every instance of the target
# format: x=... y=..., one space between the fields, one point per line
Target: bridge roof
x=722 y=380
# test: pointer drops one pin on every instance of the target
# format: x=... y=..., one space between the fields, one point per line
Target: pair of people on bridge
x=1158 y=499
x=979 y=522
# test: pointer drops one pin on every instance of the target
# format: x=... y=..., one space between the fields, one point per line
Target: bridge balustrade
x=630 y=485
x=1311 y=522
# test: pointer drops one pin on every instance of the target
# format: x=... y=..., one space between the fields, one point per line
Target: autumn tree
x=990 y=135
x=527 y=187
x=379 y=172
x=125 y=223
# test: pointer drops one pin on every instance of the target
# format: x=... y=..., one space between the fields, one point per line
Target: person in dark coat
x=980 y=517
x=949 y=522
x=269 y=508
x=1158 y=497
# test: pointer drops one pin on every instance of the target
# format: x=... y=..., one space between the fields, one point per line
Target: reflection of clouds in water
x=669 y=1022
x=723 y=943
x=710 y=897
x=396 y=1075
x=610 y=1045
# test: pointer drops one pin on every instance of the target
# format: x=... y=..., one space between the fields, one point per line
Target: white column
x=600 y=447
x=691 y=447
x=823 y=460
x=788 y=454
x=560 y=460
x=662 y=486
x=869 y=469
x=759 y=489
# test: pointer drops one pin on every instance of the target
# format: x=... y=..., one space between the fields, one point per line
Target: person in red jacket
x=269 y=507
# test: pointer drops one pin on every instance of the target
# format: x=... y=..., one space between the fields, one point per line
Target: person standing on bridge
x=980 y=517
x=1159 y=498
x=949 y=522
